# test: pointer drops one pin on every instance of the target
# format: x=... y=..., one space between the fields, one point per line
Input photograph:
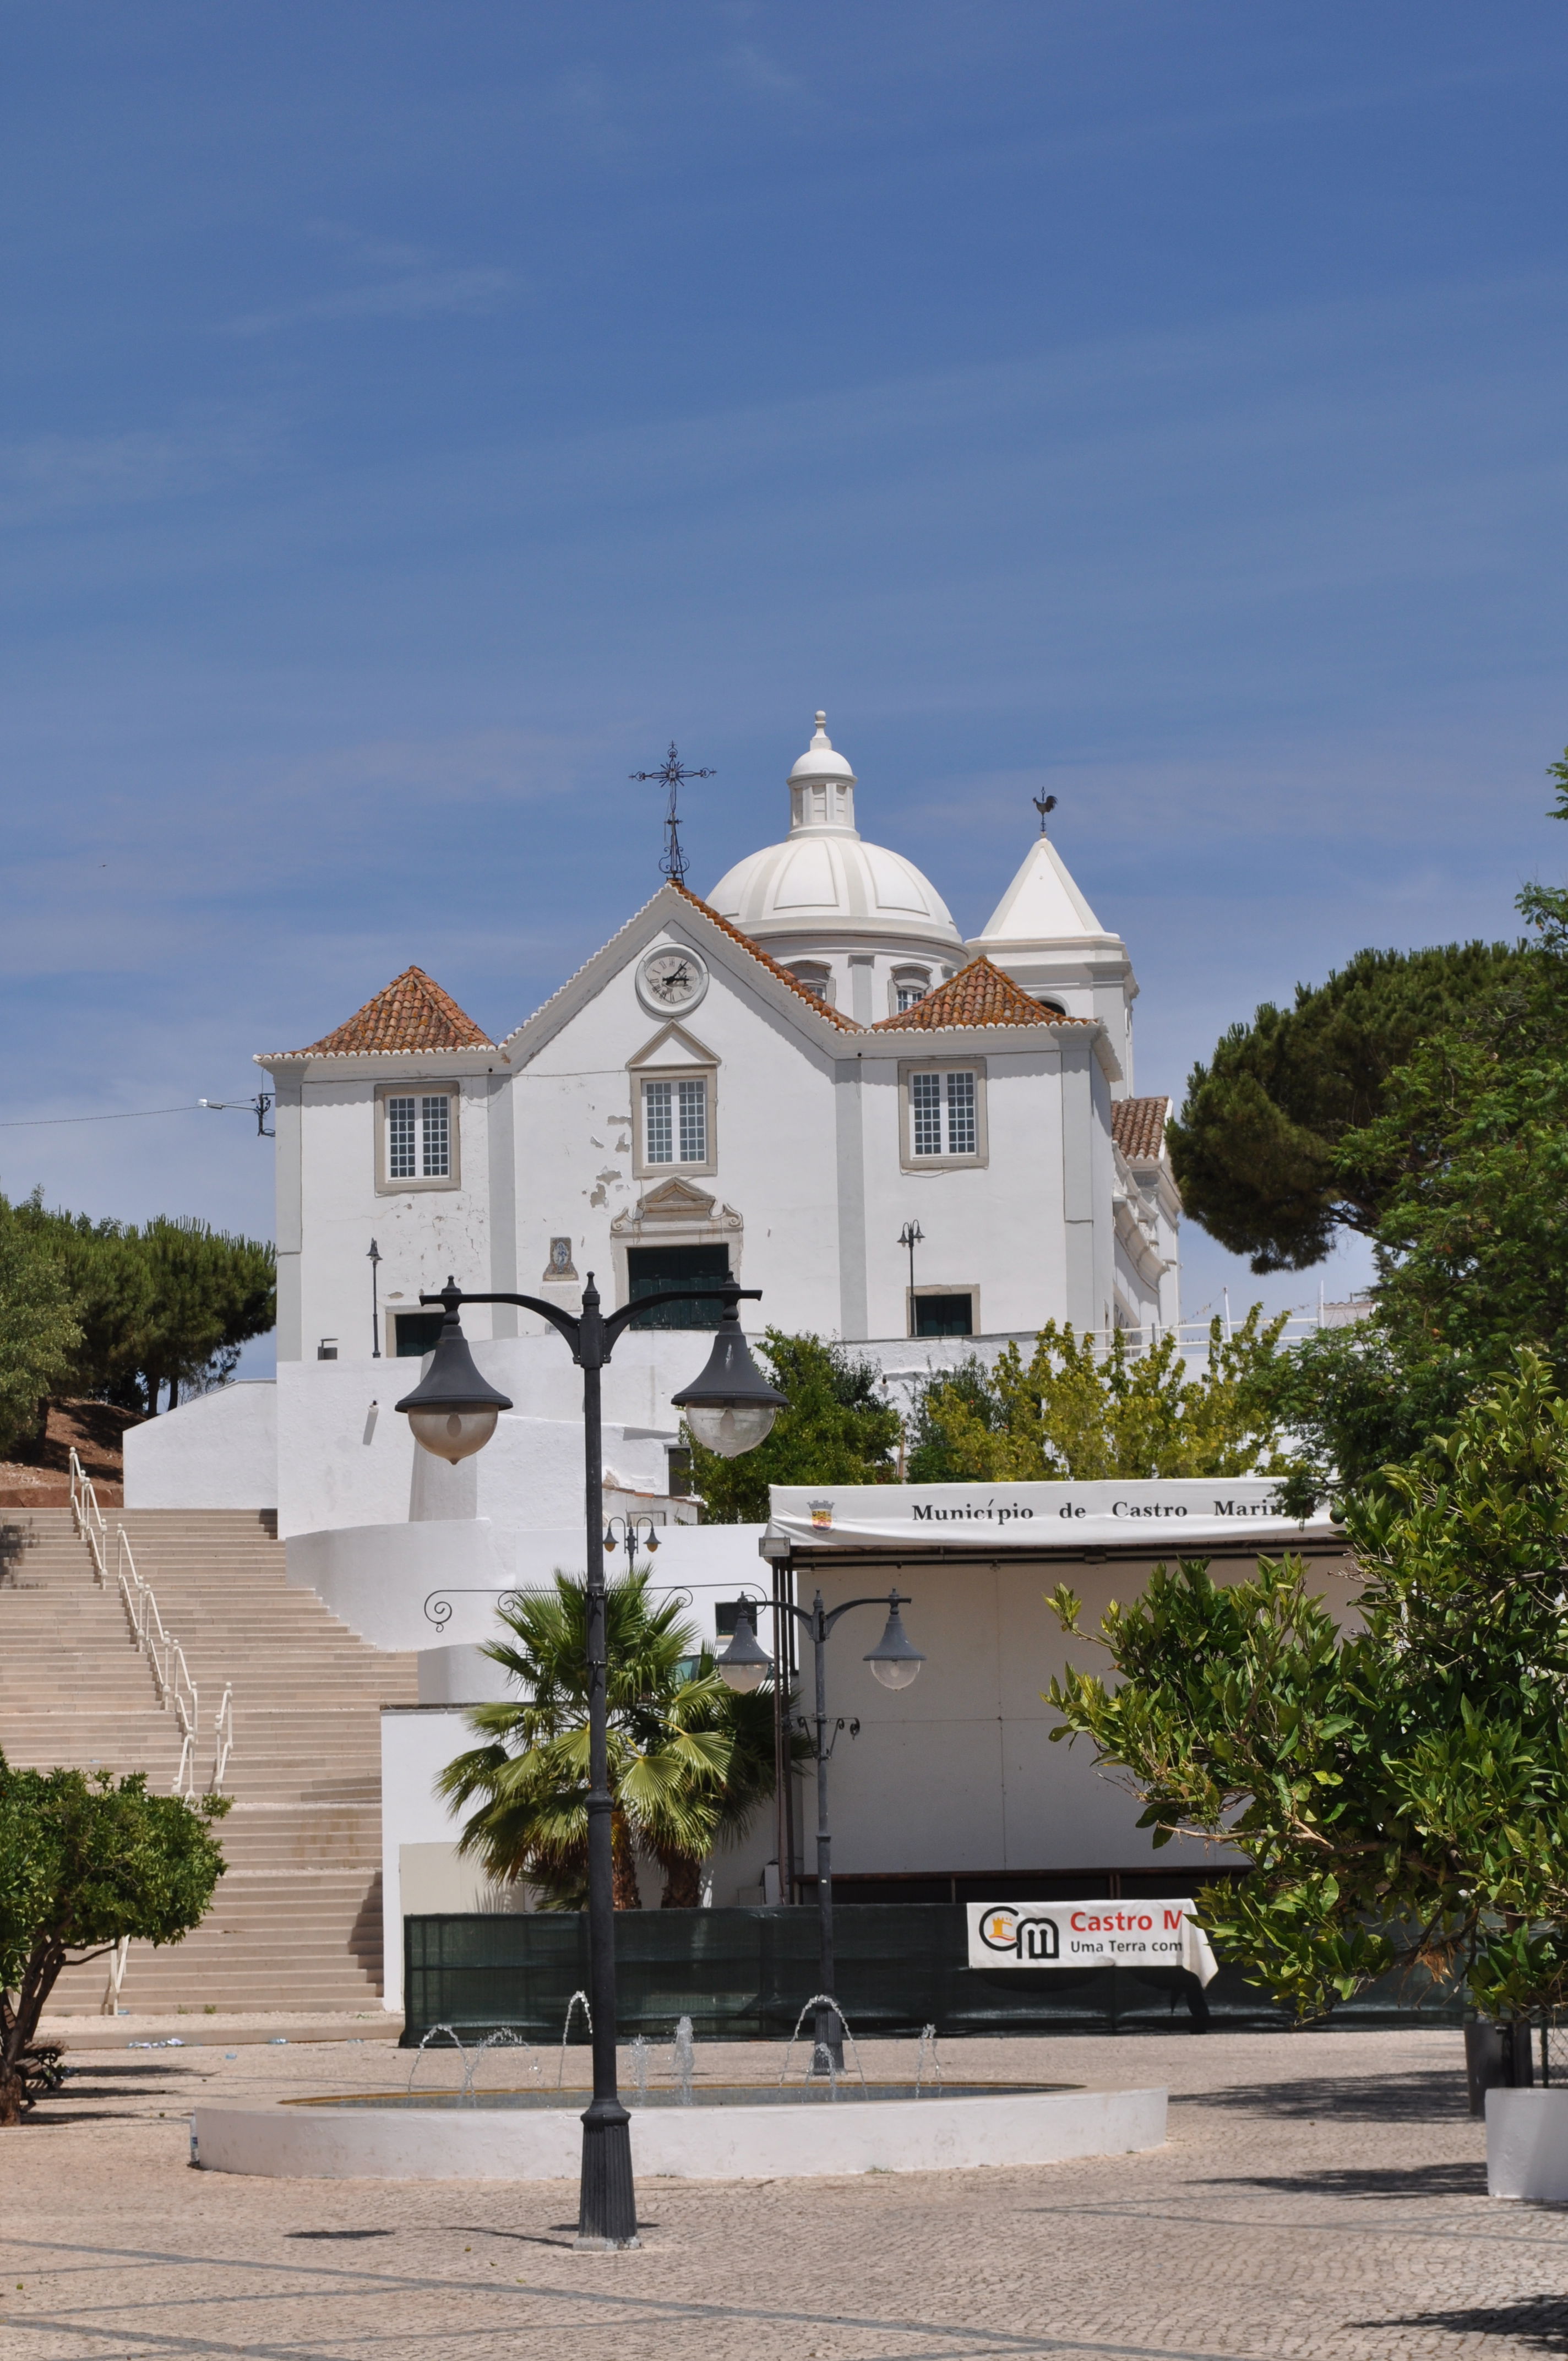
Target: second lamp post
x=894 y=1662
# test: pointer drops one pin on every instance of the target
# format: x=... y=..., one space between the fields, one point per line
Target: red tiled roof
x=979 y=994
x=412 y=1012
x=823 y=1007
x=1137 y=1126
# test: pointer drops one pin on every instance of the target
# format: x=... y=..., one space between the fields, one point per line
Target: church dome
x=823 y=881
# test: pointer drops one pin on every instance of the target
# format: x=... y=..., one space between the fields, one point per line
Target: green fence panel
x=745 y=1975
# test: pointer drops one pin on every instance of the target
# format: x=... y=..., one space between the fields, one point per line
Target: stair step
x=296 y=1919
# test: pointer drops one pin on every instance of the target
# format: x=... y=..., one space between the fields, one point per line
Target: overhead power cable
x=131 y=1115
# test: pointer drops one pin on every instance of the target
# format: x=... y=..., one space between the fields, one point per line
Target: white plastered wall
x=773 y=1135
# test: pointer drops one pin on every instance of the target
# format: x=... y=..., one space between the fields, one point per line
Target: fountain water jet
x=566 y=2030
x=683 y=2061
x=506 y=2036
x=822 y=2063
x=456 y=2042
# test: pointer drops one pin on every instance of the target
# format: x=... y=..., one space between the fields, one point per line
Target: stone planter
x=1526 y=2146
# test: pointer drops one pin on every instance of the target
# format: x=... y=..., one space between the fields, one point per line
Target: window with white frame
x=418 y=1139
x=675 y=1121
x=942 y=1114
x=908 y=990
x=818 y=980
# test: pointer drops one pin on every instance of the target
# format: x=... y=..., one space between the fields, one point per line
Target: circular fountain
x=825 y=2122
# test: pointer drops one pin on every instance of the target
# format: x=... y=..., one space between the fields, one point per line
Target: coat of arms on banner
x=821 y=1512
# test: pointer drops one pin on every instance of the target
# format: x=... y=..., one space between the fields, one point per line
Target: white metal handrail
x=177 y=1691
x=222 y=1737
x=89 y=1516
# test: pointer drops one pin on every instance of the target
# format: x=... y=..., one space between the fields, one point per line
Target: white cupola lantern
x=822 y=787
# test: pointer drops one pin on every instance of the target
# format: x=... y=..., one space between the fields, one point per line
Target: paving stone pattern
x=1321 y=2194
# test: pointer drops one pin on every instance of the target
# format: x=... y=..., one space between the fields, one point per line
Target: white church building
x=778 y=1082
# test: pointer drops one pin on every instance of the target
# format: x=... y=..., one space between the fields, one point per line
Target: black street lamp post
x=894 y=1662
x=730 y=1407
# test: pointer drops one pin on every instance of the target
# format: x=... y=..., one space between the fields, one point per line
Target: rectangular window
x=414 y=1333
x=435 y=1143
x=944 y=1315
x=674 y=1122
x=694 y=1122
x=960 y=1114
x=942 y=1110
x=908 y=995
x=649 y=1268
x=926 y=1105
x=657 y=1132
x=419 y=1137
x=400 y=1130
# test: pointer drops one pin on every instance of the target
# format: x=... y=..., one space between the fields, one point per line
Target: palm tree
x=689 y=1760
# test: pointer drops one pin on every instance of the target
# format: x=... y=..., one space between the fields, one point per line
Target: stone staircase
x=296 y=1922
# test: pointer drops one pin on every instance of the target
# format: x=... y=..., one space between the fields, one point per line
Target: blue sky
x=414 y=417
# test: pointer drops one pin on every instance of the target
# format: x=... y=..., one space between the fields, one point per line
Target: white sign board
x=1186 y=1510
x=1089 y=1935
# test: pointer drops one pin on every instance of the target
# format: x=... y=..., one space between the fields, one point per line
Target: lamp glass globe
x=452 y=1432
x=731 y=1429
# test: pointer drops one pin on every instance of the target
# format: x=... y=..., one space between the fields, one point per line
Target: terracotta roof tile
x=1137 y=1126
x=823 y=1007
x=412 y=1012
x=979 y=994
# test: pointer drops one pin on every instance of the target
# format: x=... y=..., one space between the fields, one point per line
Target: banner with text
x=1089 y=1935
x=1187 y=1510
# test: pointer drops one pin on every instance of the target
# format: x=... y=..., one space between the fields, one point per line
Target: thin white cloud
x=754 y=69
x=47 y=474
x=414 y=295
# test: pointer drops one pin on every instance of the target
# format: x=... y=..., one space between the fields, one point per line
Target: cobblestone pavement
x=1320 y=2194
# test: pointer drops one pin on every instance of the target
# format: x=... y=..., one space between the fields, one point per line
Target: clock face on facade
x=670 y=980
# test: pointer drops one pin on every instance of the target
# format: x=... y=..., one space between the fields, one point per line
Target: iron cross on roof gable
x=671 y=773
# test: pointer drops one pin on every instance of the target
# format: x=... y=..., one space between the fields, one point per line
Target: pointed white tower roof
x=1043 y=905
x=1044 y=935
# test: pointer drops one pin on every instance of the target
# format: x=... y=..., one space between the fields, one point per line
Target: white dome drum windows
x=818 y=978
x=909 y=987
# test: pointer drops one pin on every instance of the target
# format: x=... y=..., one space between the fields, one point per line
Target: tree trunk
x=19 y=2023
x=624 y=1864
x=40 y=1431
x=683 y=1882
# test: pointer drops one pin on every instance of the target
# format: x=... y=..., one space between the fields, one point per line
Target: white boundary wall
x=217 y=1451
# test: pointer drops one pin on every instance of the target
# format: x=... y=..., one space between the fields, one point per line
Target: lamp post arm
x=566 y=1321
x=829 y=1621
x=610 y=1327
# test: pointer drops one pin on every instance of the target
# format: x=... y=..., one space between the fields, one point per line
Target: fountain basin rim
x=719 y=2094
